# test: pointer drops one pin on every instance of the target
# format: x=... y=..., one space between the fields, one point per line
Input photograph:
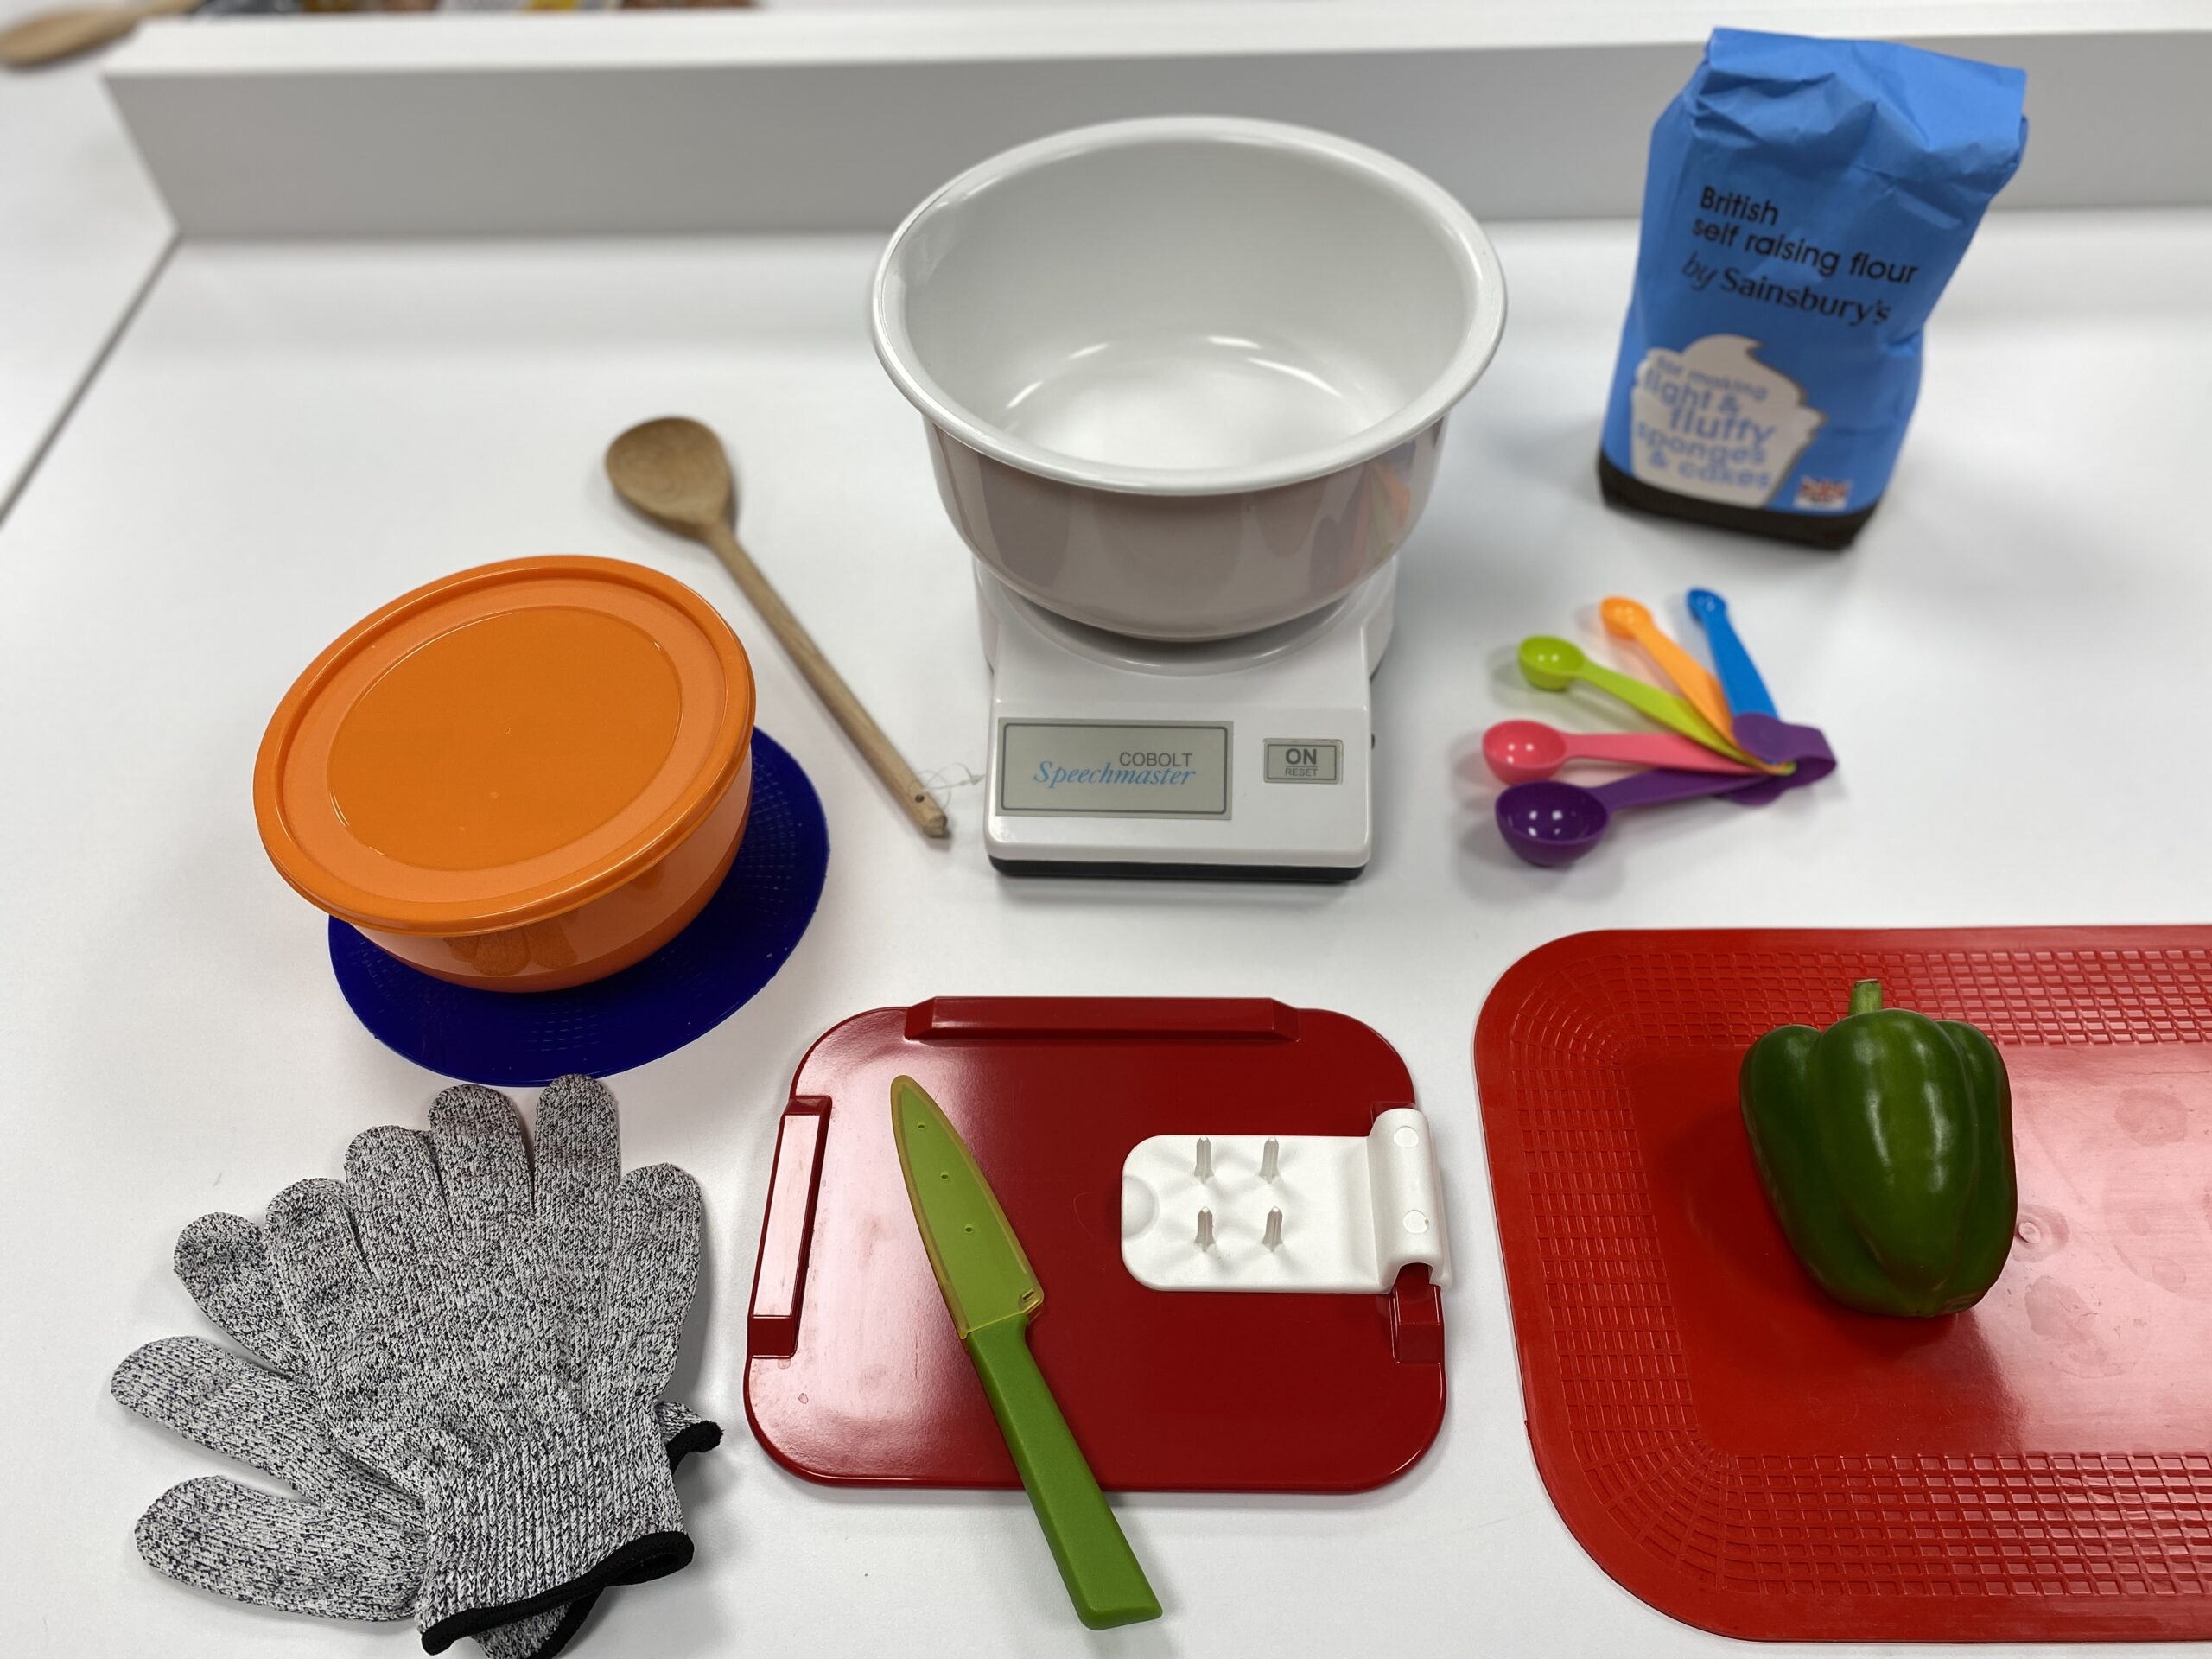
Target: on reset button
x=1305 y=760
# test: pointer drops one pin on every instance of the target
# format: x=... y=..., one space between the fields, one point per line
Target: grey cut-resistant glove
x=491 y=1337
x=351 y=1545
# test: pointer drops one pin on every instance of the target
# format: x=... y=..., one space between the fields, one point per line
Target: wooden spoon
x=675 y=473
x=53 y=35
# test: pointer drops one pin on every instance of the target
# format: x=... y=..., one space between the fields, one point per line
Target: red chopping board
x=852 y=1372
x=1750 y=1458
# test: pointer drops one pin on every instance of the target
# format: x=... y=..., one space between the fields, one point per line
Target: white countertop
x=80 y=230
x=287 y=436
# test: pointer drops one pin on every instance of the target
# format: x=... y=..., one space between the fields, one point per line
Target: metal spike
x=1270 y=1160
x=1205 y=1226
x=1205 y=1158
x=1273 y=1237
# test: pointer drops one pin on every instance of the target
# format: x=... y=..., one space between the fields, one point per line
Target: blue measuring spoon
x=1739 y=677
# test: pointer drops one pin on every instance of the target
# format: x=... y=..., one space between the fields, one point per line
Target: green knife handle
x=1103 y=1578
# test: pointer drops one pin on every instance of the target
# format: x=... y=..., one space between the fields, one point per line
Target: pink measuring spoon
x=1524 y=751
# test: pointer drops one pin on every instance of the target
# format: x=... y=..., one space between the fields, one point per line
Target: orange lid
x=503 y=745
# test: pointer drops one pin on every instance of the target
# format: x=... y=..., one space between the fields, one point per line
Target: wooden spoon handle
x=830 y=685
x=53 y=35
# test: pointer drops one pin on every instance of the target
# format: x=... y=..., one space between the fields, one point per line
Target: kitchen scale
x=1238 y=758
x=1183 y=380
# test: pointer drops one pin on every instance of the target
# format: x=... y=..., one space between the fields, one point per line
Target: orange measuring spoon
x=1626 y=619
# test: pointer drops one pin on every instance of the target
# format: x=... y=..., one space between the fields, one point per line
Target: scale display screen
x=1100 y=769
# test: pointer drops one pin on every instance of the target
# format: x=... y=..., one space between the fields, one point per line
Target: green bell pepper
x=1885 y=1146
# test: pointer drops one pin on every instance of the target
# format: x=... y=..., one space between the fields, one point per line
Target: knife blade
x=992 y=1293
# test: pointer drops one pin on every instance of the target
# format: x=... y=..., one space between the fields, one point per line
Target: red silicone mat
x=1752 y=1458
x=852 y=1372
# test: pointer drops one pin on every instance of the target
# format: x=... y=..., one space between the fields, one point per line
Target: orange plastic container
x=521 y=777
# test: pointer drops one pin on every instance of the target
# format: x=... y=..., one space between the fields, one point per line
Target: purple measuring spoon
x=1757 y=729
x=1554 y=823
x=1764 y=738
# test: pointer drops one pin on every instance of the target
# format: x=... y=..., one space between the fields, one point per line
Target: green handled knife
x=992 y=1292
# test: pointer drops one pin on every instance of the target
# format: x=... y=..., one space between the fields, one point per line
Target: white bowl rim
x=895 y=349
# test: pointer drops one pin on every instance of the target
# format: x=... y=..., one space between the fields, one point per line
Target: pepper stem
x=1867 y=996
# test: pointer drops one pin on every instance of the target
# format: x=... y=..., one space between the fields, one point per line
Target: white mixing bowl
x=1184 y=379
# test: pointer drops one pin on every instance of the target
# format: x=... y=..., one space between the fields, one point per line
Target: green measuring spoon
x=1552 y=664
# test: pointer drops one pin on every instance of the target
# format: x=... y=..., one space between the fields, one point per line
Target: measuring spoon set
x=1722 y=736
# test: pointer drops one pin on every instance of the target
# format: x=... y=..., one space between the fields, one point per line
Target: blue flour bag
x=1805 y=203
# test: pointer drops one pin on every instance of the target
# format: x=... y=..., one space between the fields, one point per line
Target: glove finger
x=654 y=1271
x=399 y=1206
x=303 y=1558
x=268 y=1422
x=579 y=1145
x=225 y=1264
x=477 y=1136
x=315 y=1258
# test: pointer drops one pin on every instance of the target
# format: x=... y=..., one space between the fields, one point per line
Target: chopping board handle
x=1104 y=1578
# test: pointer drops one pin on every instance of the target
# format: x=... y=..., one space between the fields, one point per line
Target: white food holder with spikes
x=1291 y=1212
